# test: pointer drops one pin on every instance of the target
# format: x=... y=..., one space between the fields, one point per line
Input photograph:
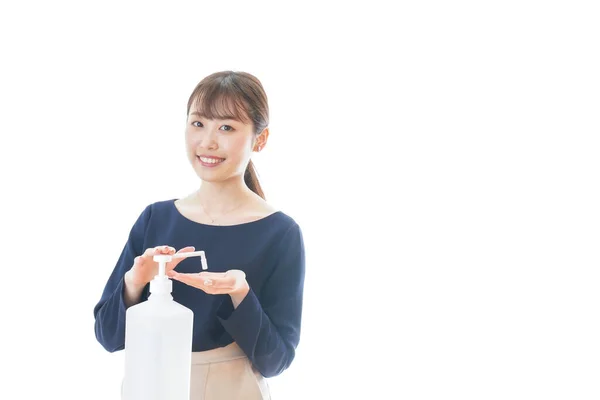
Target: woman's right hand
x=144 y=268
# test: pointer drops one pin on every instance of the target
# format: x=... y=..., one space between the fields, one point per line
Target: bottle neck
x=160 y=296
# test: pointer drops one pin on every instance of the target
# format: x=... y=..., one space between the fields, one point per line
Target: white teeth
x=210 y=160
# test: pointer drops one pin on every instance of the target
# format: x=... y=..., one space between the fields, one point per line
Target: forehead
x=220 y=106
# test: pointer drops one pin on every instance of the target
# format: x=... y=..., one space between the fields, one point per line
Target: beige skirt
x=225 y=374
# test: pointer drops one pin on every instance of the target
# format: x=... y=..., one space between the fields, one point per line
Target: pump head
x=161 y=283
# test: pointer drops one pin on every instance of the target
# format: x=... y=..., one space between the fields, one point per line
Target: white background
x=442 y=159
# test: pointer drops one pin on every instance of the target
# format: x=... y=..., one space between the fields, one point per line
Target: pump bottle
x=158 y=342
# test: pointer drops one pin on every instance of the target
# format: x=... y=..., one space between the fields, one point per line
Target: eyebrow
x=226 y=117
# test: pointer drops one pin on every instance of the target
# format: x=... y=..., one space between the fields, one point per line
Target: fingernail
x=208 y=282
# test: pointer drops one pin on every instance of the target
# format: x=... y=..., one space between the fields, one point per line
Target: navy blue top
x=266 y=324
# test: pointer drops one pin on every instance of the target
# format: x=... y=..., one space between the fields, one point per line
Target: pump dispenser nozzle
x=161 y=283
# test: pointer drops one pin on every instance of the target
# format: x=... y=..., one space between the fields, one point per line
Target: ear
x=261 y=140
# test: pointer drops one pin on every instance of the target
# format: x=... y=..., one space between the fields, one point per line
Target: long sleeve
x=268 y=329
x=110 y=311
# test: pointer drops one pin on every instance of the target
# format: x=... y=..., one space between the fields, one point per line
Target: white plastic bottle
x=158 y=342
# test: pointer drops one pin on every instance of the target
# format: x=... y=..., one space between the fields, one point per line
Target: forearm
x=110 y=315
x=270 y=348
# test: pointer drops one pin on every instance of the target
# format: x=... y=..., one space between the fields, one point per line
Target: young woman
x=247 y=307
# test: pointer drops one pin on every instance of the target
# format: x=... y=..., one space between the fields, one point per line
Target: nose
x=209 y=139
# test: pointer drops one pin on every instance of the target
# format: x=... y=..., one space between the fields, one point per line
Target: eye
x=229 y=128
x=197 y=122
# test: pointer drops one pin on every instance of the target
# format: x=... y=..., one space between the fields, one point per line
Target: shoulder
x=288 y=235
x=282 y=222
x=274 y=232
x=159 y=207
x=155 y=210
x=286 y=255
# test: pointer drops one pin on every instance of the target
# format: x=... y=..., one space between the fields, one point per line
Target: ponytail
x=251 y=179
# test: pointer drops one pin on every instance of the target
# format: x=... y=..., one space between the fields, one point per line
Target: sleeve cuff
x=238 y=320
x=122 y=308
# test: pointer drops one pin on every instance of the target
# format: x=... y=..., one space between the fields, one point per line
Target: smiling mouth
x=210 y=161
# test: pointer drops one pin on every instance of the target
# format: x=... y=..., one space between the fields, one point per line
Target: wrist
x=132 y=293
x=130 y=284
x=239 y=295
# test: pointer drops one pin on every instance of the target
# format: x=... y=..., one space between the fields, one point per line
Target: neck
x=219 y=197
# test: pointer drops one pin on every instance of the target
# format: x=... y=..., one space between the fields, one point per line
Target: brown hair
x=234 y=95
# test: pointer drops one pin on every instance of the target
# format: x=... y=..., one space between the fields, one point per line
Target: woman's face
x=219 y=149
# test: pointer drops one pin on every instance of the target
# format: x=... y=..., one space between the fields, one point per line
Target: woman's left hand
x=232 y=282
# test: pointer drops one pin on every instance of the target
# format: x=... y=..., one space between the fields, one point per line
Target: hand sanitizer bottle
x=158 y=342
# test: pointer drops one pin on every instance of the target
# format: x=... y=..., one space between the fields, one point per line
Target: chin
x=211 y=176
x=208 y=176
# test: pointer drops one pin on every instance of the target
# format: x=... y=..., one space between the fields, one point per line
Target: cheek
x=241 y=147
x=191 y=141
x=190 y=148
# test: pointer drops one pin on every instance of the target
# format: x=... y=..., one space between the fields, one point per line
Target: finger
x=209 y=290
x=138 y=261
x=165 y=250
x=149 y=252
x=204 y=283
x=152 y=251
x=188 y=279
x=194 y=281
x=187 y=249
x=211 y=275
x=174 y=263
x=212 y=278
x=236 y=272
x=227 y=282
